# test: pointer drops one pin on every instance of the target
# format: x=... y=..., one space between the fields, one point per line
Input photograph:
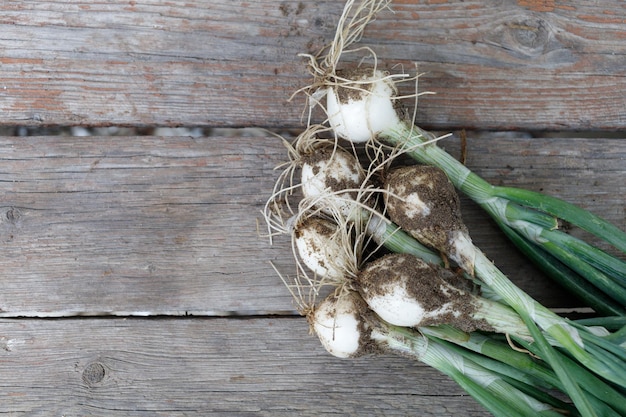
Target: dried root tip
x=422 y=201
x=357 y=14
x=344 y=324
x=406 y=291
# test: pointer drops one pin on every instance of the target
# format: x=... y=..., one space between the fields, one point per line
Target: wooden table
x=134 y=278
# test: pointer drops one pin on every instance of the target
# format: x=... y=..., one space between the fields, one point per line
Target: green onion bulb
x=362 y=106
x=422 y=201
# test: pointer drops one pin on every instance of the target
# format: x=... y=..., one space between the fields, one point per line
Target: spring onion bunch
x=420 y=301
x=363 y=105
x=353 y=321
x=387 y=252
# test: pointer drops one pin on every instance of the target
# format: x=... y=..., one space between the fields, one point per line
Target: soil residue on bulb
x=350 y=303
x=315 y=226
x=352 y=90
x=436 y=222
x=425 y=283
x=323 y=159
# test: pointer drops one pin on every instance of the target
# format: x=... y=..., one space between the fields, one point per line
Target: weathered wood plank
x=143 y=226
x=525 y=64
x=168 y=226
x=199 y=367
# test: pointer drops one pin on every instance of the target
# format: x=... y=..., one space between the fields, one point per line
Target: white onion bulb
x=406 y=291
x=326 y=174
x=360 y=111
x=337 y=321
x=320 y=245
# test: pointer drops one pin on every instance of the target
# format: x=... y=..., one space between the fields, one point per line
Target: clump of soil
x=353 y=91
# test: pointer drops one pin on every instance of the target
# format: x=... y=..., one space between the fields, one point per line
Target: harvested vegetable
x=348 y=329
x=322 y=248
x=363 y=105
x=414 y=303
x=406 y=291
x=422 y=201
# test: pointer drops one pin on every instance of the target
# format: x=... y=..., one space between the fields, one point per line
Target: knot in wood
x=528 y=36
x=94 y=373
x=531 y=34
x=12 y=215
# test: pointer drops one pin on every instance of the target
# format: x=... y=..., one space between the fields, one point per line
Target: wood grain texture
x=169 y=226
x=494 y=65
x=140 y=225
x=199 y=367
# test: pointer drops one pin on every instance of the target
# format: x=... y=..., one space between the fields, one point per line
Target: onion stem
x=572 y=387
x=568 y=336
x=517 y=209
x=566 y=211
x=388 y=234
x=563 y=275
x=486 y=386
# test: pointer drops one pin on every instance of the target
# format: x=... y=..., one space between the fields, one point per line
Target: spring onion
x=348 y=329
x=363 y=104
x=411 y=302
x=406 y=291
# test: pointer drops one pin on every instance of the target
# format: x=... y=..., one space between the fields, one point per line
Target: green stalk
x=413 y=139
x=569 y=383
x=542 y=375
x=487 y=387
x=542 y=237
x=563 y=275
x=601 y=280
x=610 y=265
x=492 y=402
x=605 y=343
x=619 y=337
x=566 y=211
x=497 y=399
x=611 y=323
x=557 y=245
x=562 y=331
x=563 y=407
x=599 y=389
x=616 y=268
x=501 y=367
x=390 y=235
x=597 y=404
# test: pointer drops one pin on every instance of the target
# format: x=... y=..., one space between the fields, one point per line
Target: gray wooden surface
x=494 y=64
x=135 y=280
